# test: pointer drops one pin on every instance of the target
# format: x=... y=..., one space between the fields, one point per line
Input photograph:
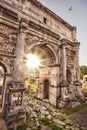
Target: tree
x=83 y=71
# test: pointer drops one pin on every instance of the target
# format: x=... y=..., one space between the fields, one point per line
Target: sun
x=32 y=60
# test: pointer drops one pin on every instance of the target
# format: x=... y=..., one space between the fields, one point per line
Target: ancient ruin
x=26 y=26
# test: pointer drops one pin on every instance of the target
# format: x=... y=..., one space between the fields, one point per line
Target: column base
x=63 y=103
x=64 y=90
x=78 y=90
x=70 y=99
x=14 y=113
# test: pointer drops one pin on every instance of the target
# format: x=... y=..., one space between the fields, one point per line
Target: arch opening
x=44 y=54
x=46 y=89
x=69 y=76
x=2 y=78
x=46 y=59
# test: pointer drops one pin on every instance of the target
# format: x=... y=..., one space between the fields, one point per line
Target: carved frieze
x=32 y=40
x=8 y=40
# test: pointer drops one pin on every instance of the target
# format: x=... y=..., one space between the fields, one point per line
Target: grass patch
x=23 y=127
x=75 y=109
x=50 y=123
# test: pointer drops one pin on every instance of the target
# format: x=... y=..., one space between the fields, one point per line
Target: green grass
x=23 y=127
x=50 y=123
x=76 y=109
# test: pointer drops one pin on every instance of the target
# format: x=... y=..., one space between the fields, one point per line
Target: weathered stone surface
x=59 y=122
x=26 y=26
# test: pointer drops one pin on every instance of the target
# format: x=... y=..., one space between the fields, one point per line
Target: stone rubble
x=41 y=115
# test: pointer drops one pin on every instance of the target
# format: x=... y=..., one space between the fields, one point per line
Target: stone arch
x=46 y=46
x=55 y=55
x=69 y=76
x=6 y=78
x=2 y=71
x=46 y=89
x=48 y=53
x=5 y=67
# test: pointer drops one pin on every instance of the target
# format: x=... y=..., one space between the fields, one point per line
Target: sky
x=76 y=17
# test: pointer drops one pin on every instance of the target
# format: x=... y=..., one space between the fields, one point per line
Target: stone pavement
x=2 y=124
x=80 y=117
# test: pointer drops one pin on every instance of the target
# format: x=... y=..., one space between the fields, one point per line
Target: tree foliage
x=83 y=71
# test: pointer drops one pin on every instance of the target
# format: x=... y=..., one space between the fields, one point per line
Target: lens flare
x=32 y=61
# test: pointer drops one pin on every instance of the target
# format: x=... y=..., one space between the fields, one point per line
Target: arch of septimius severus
x=26 y=26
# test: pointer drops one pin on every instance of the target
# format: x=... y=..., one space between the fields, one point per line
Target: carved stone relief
x=8 y=39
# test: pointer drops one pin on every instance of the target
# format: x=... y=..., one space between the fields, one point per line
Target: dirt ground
x=80 y=117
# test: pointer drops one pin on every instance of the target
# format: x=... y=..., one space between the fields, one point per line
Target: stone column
x=77 y=83
x=64 y=62
x=74 y=33
x=19 y=67
x=64 y=84
x=77 y=64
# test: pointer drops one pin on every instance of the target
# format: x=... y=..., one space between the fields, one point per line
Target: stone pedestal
x=14 y=113
x=63 y=98
x=78 y=90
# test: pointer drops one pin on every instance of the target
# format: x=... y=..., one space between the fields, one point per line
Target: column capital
x=74 y=28
x=63 y=42
x=23 y=25
x=77 y=44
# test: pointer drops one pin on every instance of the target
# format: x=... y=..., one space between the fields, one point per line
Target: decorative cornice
x=7 y=53
x=8 y=17
x=72 y=43
x=44 y=29
x=6 y=11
